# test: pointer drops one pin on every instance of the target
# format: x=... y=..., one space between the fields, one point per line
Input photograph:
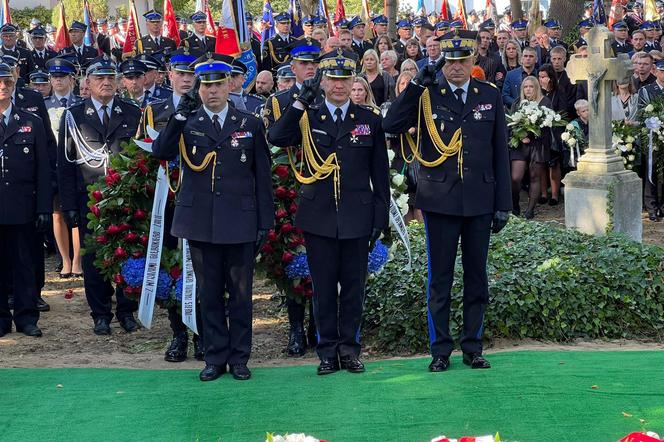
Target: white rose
x=630 y=139
x=630 y=157
x=629 y=146
x=390 y=155
x=565 y=136
x=571 y=142
x=649 y=108
x=569 y=126
x=533 y=119
x=557 y=117
x=517 y=117
x=617 y=152
x=624 y=160
x=398 y=179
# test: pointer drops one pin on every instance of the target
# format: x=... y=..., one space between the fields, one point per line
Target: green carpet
x=527 y=396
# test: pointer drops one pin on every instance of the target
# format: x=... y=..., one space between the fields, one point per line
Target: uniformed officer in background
x=157 y=115
x=198 y=41
x=153 y=41
x=25 y=204
x=90 y=131
x=84 y=53
x=240 y=99
x=133 y=82
x=343 y=210
x=359 y=44
x=285 y=78
x=40 y=52
x=463 y=187
x=61 y=73
x=152 y=90
x=39 y=82
x=224 y=208
x=9 y=34
x=275 y=50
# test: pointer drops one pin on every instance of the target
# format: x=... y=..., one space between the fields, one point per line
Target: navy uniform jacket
x=230 y=206
x=486 y=183
x=256 y=49
x=52 y=101
x=72 y=178
x=88 y=53
x=196 y=43
x=32 y=101
x=280 y=101
x=150 y=46
x=39 y=62
x=275 y=52
x=362 y=156
x=25 y=62
x=252 y=102
x=25 y=182
x=360 y=49
x=161 y=112
x=621 y=48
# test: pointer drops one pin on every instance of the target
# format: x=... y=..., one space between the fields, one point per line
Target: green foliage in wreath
x=545 y=282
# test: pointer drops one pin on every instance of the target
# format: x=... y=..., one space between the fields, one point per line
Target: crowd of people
x=65 y=112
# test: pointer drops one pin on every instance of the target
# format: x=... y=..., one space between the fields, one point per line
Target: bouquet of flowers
x=489 y=438
x=398 y=185
x=529 y=120
x=623 y=141
x=575 y=141
x=298 y=437
x=652 y=130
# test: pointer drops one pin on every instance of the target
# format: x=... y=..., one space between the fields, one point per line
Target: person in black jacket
x=26 y=64
x=198 y=41
x=40 y=52
x=548 y=81
x=343 y=209
x=25 y=204
x=224 y=209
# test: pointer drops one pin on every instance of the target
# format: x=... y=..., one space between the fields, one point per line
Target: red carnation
x=102 y=239
x=149 y=189
x=267 y=249
x=287 y=257
x=292 y=208
x=97 y=195
x=124 y=227
x=292 y=194
x=118 y=279
x=175 y=272
x=95 y=211
x=281 y=171
x=272 y=236
x=120 y=253
x=175 y=174
x=137 y=254
x=126 y=210
x=113 y=229
x=131 y=237
x=298 y=288
x=287 y=228
x=281 y=213
x=143 y=168
x=280 y=192
x=140 y=215
x=143 y=240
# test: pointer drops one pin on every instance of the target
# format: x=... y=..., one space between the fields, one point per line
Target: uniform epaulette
x=487 y=82
x=157 y=101
x=260 y=97
x=132 y=102
x=244 y=111
x=373 y=109
x=281 y=92
x=76 y=103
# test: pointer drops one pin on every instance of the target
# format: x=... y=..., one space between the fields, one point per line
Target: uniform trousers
x=443 y=234
x=16 y=241
x=221 y=267
x=651 y=199
x=337 y=262
x=98 y=291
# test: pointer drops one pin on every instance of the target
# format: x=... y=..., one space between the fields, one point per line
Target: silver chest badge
x=243 y=157
x=26 y=150
x=477 y=115
x=235 y=142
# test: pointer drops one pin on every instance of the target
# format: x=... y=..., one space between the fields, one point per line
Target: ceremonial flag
x=365 y=14
x=268 y=23
x=599 y=16
x=490 y=11
x=295 y=12
x=227 y=38
x=461 y=14
x=210 y=27
x=445 y=13
x=613 y=13
x=421 y=9
x=339 y=12
x=5 y=14
x=170 y=25
x=133 y=34
x=323 y=12
x=87 y=19
x=62 y=34
x=244 y=37
x=649 y=10
x=201 y=5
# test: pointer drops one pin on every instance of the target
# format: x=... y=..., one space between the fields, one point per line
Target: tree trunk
x=391 y=7
x=568 y=13
x=309 y=7
x=517 y=12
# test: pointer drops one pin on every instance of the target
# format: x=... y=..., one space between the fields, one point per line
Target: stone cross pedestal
x=601 y=196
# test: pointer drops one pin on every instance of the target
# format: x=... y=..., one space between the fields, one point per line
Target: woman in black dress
x=549 y=84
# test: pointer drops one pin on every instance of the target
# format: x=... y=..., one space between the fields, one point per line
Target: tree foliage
x=74 y=10
x=22 y=17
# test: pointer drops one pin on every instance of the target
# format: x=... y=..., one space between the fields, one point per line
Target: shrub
x=545 y=282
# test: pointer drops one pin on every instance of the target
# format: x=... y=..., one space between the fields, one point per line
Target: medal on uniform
x=442 y=125
x=26 y=150
x=193 y=150
x=477 y=115
x=235 y=142
x=243 y=157
x=353 y=138
x=244 y=121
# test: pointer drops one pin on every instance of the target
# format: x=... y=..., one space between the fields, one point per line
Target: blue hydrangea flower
x=178 y=289
x=298 y=267
x=164 y=282
x=132 y=271
x=378 y=257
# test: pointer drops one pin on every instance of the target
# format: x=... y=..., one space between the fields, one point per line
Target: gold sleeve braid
x=454 y=147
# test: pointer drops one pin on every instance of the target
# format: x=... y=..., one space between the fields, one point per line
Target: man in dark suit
x=153 y=41
x=104 y=122
x=357 y=27
x=275 y=51
x=8 y=33
x=198 y=41
x=157 y=115
x=84 y=53
x=464 y=196
x=620 y=45
x=224 y=209
x=520 y=31
x=405 y=33
x=40 y=53
x=343 y=211
x=26 y=205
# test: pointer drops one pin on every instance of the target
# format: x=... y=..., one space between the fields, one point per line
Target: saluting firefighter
x=90 y=131
x=343 y=207
x=26 y=204
x=224 y=209
x=463 y=186
x=157 y=115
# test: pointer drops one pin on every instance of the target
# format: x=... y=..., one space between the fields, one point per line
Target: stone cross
x=599 y=68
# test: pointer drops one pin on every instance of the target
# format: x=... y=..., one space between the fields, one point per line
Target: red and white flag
x=339 y=13
x=62 y=34
x=170 y=26
x=445 y=13
x=210 y=27
x=614 y=16
x=227 y=38
x=461 y=14
x=133 y=34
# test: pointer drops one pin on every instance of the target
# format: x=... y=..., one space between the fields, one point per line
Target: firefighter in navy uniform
x=40 y=52
x=275 y=50
x=10 y=47
x=463 y=186
x=357 y=27
x=97 y=127
x=26 y=204
x=198 y=41
x=157 y=115
x=343 y=208
x=304 y=55
x=240 y=99
x=224 y=209
x=84 y=53
x=153 y=41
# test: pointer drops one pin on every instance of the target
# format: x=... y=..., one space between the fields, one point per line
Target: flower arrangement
x=296 y=437
x=489 y=438
x=652 y=130
x=529 y=120
x=575 y=141
x=119 y=220
x=624 y=141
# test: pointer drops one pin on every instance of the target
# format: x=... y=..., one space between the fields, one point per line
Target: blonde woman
x=361 y=93
x=512 y=55
x=381 y=83
x=533 y=152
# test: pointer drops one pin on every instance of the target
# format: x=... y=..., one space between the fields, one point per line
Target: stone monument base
x=600 y=203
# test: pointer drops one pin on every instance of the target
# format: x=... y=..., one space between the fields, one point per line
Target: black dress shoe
x=653 y=217
x=212 y=372
x=32 y=330
x=475 y=360
x=542 y=200
x=296 y=345
x=42 y=305
x=328 y=366
x=352 y=364
x=553 y=202
x=199 y=348
x=128 y=323
x=529 y=214
x=240 y=372
x=439 y=363
x=102 y=326
x=177 y=351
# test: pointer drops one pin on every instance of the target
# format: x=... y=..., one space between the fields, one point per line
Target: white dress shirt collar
x=222 y=114
x=333 y=107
